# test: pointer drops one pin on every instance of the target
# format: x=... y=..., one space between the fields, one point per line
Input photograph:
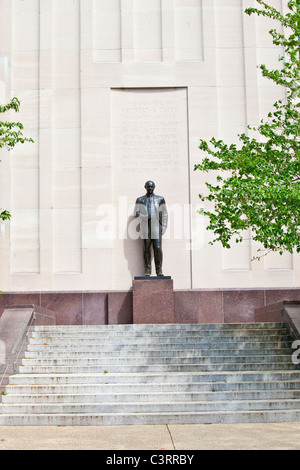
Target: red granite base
x=115 y=307
x=153 y=301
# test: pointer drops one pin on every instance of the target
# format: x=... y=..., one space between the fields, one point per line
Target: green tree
x=10 y=135
x=262 y=191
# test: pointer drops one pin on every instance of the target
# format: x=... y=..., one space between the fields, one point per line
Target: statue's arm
x=164 y=216
x=140 y=209
x=137 y=208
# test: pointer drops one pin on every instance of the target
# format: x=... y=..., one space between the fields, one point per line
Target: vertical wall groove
x=25 y=205
x=67 y=198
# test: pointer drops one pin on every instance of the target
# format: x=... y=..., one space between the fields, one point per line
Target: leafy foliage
x=11 y=132
x=262 y=191
x=10 y=135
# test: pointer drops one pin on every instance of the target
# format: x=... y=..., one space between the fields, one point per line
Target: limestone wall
x=116 y=92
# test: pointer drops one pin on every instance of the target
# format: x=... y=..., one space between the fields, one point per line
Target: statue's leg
x=158 y=256
x=147 y=256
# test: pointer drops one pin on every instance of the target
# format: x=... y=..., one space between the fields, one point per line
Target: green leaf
x=260 y=191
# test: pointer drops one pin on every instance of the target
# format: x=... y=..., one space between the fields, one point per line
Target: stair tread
x=167 y=412
x=69 y=372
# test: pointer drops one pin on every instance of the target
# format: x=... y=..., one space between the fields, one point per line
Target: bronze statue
x=153 y=214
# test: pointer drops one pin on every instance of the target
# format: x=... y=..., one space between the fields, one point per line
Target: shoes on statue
x=148 y=273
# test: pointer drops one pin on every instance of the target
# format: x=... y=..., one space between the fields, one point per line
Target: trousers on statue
x=158 y=256
x=157 y=249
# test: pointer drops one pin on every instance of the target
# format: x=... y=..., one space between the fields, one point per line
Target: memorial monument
x=127 y=99
x=152 y=212
x=153 y=298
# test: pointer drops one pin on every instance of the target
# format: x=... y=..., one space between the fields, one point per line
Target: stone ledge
x=222 y=305
x=286 y=311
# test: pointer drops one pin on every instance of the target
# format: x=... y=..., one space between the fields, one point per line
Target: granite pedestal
x=153 y=300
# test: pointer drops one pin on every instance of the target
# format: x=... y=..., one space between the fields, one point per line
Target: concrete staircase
x=154 y=374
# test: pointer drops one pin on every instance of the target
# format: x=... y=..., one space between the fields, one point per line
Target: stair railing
x=20 y=345
x=15 y=355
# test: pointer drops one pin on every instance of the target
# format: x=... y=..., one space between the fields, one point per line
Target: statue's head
x=149 y=186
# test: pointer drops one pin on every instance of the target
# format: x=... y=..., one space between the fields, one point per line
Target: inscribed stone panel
x=150 y=141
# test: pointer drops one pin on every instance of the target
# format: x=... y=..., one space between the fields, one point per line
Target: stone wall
x=115 y=307
x=116 y=92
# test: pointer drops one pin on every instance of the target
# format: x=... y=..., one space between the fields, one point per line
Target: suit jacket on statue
x=158 y=217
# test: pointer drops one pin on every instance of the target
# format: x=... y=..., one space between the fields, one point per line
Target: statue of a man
x=153 y=214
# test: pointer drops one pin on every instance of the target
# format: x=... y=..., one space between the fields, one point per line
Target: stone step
x=148 y=377
x=149 y=418
x=109 y=367
x=163 y=338
x=128 y=335
x=141 y=360
x=158 y=353
x=140 y=397
x=155 y=351
x=158 y=327
x=111 y=347
x=143 y=374
x=151 y=407
x=119 y=419
x=156 y=387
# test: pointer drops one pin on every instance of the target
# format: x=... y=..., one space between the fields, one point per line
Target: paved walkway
x=272 y=436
